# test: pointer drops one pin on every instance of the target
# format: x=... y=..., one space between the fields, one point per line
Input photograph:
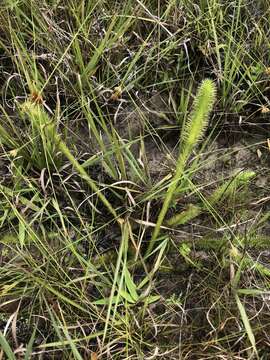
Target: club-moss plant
x=193 y=131
x=226 y=190
x=40 y=120
x=43 y=149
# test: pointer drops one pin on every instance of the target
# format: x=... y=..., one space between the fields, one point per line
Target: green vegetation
x=193 y=131
x=134 y=163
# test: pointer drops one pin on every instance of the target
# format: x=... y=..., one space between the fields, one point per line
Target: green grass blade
x=6 y=348
x=246 y=324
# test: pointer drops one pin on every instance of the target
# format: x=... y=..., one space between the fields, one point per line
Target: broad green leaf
x=131 y=285
x=106 y=301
